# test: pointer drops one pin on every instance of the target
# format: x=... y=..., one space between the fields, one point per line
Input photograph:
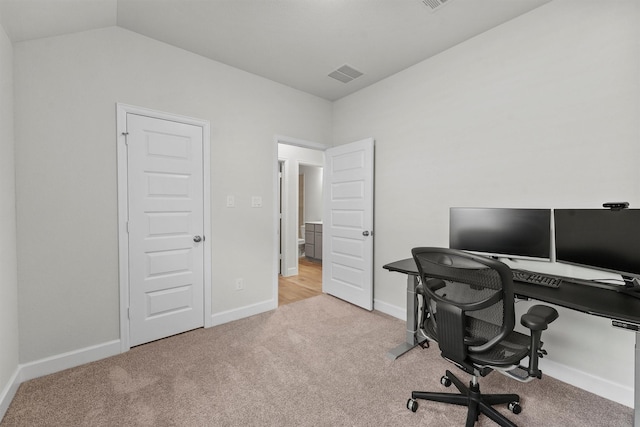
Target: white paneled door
x=165 y=224
x=347 y=265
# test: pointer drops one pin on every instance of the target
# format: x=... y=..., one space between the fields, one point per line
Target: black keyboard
x=536 y=278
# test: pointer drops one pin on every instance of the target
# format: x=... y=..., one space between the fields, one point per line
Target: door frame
x=123 y=209
x=279 y=234
x=283 y=212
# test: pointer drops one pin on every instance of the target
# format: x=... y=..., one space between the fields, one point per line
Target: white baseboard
x=293 y=271
x=9 y=391
x=70 y=359
x=586 y=381
x=49 y=365
x=391 y=310
x=242 y=312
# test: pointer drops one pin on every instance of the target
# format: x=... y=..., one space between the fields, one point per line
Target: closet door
x=166 y=228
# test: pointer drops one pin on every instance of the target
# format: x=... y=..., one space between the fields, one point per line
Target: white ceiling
x=294 y=42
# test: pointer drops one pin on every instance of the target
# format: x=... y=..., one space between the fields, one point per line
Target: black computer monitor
x=599 y=238
x=502 y=232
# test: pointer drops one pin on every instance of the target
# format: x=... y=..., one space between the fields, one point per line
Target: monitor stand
x=631 y=286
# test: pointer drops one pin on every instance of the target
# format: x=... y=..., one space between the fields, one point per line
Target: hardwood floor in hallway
x=307 y=284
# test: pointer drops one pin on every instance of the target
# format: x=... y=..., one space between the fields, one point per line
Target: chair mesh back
x=473 y=284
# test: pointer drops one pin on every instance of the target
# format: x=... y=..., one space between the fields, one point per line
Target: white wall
x=312 y=192
x=542 y=111
x=66 y=89
x=293 y=156
x=8 y=262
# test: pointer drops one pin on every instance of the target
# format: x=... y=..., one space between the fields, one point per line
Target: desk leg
x=636 y=387
x=412 y=320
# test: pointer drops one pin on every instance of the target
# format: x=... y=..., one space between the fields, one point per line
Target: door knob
x=197 y=239
x=365 y=233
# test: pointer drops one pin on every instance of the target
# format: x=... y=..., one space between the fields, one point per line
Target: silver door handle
x=197 y=239
x=365 y=233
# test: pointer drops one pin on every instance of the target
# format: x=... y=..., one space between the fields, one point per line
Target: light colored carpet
x=319 y=362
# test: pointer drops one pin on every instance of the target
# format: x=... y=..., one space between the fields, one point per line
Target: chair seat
x=509 y=351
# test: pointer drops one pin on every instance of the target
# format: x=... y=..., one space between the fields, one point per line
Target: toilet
x=301 y=242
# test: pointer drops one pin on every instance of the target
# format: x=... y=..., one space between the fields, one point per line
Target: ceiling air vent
x=435 y=5
x=345 y=74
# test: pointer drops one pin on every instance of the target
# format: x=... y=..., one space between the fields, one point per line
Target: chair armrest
x=435 y=284
x=432 y=284
x=538 y=317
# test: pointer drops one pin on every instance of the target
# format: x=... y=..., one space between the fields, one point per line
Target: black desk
x=587 y=299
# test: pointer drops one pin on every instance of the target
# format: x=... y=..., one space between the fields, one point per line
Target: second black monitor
x=599 y=238
x=506 y=232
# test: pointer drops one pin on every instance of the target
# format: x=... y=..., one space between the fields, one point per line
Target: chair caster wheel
x=412 y=405
x=445 y=381
x=515 y=407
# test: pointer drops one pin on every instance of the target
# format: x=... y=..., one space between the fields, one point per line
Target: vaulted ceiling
x=294 y=42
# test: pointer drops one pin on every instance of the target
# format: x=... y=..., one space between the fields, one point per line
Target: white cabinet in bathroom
x=313 y=240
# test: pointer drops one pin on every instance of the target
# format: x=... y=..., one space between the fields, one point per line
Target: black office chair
x=467 y=308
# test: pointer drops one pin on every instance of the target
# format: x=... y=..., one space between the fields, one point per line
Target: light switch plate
x=256 y=202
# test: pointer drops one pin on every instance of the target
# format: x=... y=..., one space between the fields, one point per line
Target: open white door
x=347 y=266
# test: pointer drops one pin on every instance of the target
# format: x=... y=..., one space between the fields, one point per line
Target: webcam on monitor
x=616 y=206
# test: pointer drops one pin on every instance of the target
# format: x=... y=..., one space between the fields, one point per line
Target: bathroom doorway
x=299 y=220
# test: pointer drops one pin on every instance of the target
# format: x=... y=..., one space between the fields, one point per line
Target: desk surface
x=580 y=297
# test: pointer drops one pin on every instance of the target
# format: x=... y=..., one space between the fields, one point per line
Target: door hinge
x=127 y=227
x=129 y=313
